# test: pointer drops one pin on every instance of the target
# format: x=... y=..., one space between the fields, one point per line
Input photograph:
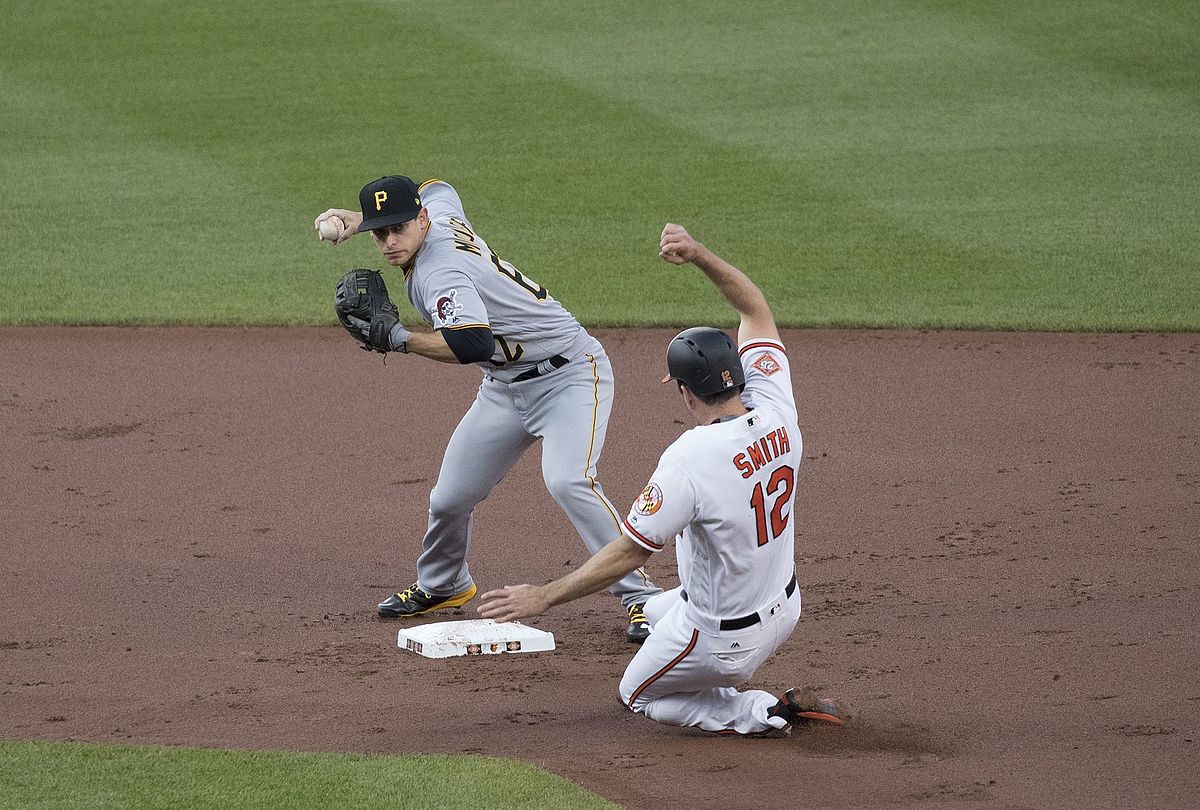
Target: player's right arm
x=352 y=219
x=601 y=570
x=664 y=508
x=677 y=246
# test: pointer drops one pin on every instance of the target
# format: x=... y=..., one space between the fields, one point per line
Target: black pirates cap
x=387 y=201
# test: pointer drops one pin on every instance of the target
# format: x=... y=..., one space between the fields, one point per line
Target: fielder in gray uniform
x=544 y=377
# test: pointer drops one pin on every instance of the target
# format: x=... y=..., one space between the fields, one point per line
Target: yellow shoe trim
x=452 y=601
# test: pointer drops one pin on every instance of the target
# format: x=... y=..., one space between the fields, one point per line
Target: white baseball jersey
x=729 y=488
x=727 y=491
x=457 y=281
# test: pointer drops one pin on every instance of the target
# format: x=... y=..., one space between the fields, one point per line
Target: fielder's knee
x=447 y=501
x=563 y=488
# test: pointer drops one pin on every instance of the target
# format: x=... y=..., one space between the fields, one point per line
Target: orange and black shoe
x=413 y=601
x=639 y=626
x=802 y=707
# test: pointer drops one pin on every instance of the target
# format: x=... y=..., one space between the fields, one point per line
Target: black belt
x=753 y=618
x=556 y=362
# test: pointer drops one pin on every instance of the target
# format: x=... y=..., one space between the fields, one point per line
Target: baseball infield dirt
x=997 y=550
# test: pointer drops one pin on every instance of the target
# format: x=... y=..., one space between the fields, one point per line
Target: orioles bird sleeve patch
x=649 y=501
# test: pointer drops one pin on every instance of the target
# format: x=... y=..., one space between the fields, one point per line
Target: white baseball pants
x=685 y=673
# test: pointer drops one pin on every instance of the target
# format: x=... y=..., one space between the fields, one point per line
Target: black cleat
x=639 y=626
x=802 y=707
x=412 y=601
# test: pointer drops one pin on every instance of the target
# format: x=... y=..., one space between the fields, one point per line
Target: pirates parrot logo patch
x=445 y=311
x=649 y=501
x=767 y=364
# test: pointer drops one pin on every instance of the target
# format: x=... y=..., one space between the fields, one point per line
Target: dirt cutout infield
x=997 y=550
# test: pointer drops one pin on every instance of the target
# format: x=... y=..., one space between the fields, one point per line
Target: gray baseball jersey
x=457 y=281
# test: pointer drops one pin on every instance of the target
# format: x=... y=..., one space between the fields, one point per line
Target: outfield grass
x=71 y=776
x=943 y=164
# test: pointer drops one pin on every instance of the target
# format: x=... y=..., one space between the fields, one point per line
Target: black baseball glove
x=362 y=305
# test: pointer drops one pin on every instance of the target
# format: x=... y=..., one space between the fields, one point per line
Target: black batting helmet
x=705 y=360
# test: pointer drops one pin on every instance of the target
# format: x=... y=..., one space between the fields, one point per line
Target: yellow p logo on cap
x=380 y=199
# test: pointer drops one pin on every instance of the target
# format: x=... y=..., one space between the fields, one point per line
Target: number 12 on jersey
x=781 y=481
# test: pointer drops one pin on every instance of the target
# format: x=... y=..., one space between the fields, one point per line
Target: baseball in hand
x=330 y=229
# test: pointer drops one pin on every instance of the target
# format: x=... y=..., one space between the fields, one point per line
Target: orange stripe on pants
x=691 y=646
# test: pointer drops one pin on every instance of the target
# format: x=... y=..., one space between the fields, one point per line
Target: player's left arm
x=607 y=566
x=677 y=246
x=461 y=333
x=432 y=345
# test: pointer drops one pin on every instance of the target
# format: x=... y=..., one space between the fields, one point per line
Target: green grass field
x=943 y=164
x=1024 y=165
x=72 y=776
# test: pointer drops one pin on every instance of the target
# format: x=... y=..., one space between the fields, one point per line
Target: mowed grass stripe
x=1061 y=142
x=572 y=182
x=67 y=776
x=134 y=158
x=122 y=228
x=635 y=191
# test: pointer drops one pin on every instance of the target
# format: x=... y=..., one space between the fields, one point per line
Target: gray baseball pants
x=568 y=410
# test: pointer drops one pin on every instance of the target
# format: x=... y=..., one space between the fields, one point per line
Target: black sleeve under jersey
x=471 y=345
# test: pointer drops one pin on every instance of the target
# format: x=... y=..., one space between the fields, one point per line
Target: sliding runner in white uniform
x=726 y=490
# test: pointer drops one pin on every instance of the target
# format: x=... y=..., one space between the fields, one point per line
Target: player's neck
x=732 y=409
